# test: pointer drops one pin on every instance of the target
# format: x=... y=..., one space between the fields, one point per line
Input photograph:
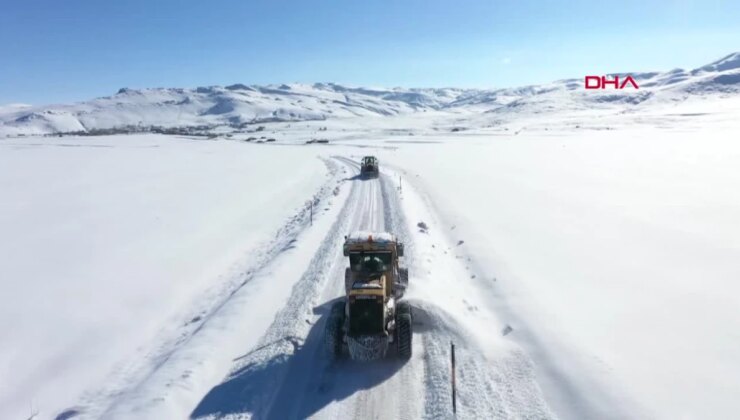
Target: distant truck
x=371 y=316
x=369 y=167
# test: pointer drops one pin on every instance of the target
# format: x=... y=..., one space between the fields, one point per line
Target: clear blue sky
x=59 y=51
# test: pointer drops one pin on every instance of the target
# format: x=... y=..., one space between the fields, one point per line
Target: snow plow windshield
x=370 y=261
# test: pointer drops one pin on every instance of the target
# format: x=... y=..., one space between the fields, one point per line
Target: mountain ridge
x=237 y=106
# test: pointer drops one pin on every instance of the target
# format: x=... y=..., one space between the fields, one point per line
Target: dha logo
x=601 y=82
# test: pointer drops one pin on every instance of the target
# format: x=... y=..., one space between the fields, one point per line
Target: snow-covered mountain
x=237 y=106
x=231 y=106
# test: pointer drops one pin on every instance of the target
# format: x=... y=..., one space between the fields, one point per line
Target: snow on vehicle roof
x=366 y=236
x=366 y=285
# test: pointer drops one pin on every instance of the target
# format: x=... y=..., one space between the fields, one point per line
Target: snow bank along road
x=264 y=330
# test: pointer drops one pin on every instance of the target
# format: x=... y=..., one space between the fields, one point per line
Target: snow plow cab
x=371 y=316
x=369 y=167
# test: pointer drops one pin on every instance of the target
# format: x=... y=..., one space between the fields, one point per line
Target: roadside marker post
x=454 y=393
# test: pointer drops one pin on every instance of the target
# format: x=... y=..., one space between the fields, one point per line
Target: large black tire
x=333 y=333
x=403 y=275
x=404 y=335
x=403 y=308
x=347 y=280
x=401 y=284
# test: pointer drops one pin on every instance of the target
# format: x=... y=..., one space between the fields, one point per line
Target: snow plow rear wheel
x=333 y=334
x=403 y=308
x=404 y=334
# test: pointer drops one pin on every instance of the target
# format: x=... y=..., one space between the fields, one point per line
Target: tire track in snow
x=261 y=383
x=396 y=393
x=313 y=363
x=289 y=375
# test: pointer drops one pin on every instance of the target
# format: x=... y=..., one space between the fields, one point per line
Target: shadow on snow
x=361 y=177
x=291 y=378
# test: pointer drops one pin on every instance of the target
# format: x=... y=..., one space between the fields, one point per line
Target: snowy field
x=583 y=259
x=615 y=255
x=106 y=240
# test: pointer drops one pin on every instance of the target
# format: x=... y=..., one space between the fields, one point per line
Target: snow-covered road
x=288 y=375
x=264 y=330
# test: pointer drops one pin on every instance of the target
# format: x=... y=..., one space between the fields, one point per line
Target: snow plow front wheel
x=333 y=331
x=347 y=280
x=403 y=282
x=404 y=274
x=404 y=335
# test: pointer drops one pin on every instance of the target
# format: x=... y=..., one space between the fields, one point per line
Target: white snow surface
x=106 y=241
x=579 y=249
